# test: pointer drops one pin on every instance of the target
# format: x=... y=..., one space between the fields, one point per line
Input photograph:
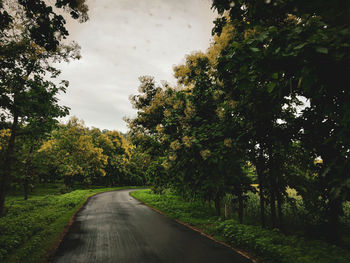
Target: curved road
x=114 y=227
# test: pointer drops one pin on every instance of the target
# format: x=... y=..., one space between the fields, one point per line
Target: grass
x=296 y=219
x=294 y=213
x=32 y=227
x=268 y=245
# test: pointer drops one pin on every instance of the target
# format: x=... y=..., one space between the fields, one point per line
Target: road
x=114 y=227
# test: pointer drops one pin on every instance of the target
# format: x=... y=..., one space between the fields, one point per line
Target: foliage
x=47 y=27
x=268 y=96
x=31 y=35
x=175 y=207
x=288 y=50
x=273 y=246
x=32 y=227
x=268 y=245
x=76 y=153
x=188 y=130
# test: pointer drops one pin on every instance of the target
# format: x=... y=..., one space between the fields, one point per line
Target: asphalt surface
x=114 y=227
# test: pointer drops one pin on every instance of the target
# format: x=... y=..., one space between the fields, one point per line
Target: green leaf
x=272 y=29
x=300 y=46
x=322 y=50
x=254 y=49
x=271 y=86
x=275 y=75
x=243 y=69
x=244 y=84
x=236 y=44
x=298 y=30
x=262 y=36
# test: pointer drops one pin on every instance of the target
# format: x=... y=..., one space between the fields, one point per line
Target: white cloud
x=123 y=40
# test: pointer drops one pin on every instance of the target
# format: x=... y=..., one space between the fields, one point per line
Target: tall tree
x=30 y=39
x=78 y=158
x=303 y=51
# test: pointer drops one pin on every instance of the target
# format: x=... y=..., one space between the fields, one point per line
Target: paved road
x=114 y=227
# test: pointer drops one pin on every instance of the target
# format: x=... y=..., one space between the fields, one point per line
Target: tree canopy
x=270 y=94
x=31 y=35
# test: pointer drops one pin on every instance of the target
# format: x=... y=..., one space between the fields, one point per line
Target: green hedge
x=276 y=247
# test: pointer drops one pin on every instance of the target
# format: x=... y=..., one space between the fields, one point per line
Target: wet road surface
x=114 y=227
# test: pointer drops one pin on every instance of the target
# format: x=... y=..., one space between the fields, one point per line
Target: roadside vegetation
x=34 y=147
x=33 y=227
x=265 y=244
x=256 y=128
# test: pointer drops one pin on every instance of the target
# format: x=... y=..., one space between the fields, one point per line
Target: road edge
x=51 y=252
x=241 y=252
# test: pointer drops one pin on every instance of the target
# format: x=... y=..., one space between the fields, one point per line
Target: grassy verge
x=268 y=245
x=31 y=228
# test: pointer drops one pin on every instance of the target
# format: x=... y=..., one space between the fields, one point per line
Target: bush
x=269 y=245
x=273 y=246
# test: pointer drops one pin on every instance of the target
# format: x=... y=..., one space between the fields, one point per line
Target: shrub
x=269 y=245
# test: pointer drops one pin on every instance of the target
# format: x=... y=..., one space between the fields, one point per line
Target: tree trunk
x=209 y=200
x=261 y=197
x=51 y=177
x=107 y=181
x=67 y=180
x=217 y=205
x=26 y=186
x=28 y=174
x=279 y=210
x=273 y=188
x=333 y=226
x=204 y=201
x=273 y=209
x=6 y=175
x=226 y=211
x=240 y=208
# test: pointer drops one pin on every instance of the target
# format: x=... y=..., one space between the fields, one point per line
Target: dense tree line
x=34 y=147
x=75 y=155
x=270 y=95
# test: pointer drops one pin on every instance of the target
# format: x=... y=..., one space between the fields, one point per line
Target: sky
x=125 y=39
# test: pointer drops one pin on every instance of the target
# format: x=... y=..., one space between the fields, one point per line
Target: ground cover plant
x=258 y=124
x=31 y=227
x=266 y=244
x=264 y=105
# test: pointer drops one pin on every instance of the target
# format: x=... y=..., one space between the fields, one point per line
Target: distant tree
x=117 y=150
x=77 y=156
x=136 y=166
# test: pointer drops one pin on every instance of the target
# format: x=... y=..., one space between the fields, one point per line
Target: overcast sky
x=125 y=39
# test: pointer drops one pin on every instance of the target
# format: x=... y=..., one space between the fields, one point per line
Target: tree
x=144 y=128
x=214 y=125
x=117 y=150
x=302 y=51
x=30 y=41
x=136 y=166
x=46 y=27
x=77 y=156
